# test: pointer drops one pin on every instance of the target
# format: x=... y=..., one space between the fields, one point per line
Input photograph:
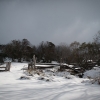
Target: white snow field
x=59 y=88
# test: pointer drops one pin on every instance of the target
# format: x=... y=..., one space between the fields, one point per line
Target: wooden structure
x=32 y=64
x=5 y=68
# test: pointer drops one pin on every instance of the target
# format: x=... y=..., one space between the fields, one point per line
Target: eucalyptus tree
x=46 y=51
x=75 y=54
x=63 y=53
x=97 y=43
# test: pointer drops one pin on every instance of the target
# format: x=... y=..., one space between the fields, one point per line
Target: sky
x=57 y=21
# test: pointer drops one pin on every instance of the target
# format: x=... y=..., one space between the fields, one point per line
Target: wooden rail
x=5 y=68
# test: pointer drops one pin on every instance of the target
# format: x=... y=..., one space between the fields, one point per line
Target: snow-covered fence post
x=34 y=60
x=32 y=64
x=8 y=65
x=60 y=61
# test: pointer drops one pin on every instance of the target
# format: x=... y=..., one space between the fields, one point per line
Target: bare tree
x=75 y=58
x=63 y=52
x=97 y=38
x=97 y=44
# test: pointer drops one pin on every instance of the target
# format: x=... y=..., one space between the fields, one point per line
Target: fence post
x=8 y=65
x=34 y=61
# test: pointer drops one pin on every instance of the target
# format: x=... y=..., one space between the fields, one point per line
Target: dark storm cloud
x=49 y=20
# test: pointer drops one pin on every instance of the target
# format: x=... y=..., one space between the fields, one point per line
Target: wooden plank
x=2 y=67
x=43 y=67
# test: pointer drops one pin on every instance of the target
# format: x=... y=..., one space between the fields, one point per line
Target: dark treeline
x=47 y=51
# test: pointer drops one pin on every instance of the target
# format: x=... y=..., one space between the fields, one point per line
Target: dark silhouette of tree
x=75 y=56
x=26 y=48
x=63 y=53
x=46 y=51
x=17 y=49
x=13 y=49
x=97 y=43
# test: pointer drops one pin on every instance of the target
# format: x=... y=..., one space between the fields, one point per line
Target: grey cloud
x=49 y=20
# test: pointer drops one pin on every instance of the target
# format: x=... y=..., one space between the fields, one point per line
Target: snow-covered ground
x=62 y=86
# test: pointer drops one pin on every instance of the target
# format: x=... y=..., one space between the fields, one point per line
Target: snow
x=54 y=62
x=71 y=66
x=93 y=73
x=62 y=85
x=7 y=59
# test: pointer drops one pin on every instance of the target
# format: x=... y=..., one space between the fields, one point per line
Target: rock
x=25 y=78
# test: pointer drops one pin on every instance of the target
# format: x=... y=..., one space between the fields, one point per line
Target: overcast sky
x=49 y=20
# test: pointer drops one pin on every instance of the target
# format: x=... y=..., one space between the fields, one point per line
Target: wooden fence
x=5 y=68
